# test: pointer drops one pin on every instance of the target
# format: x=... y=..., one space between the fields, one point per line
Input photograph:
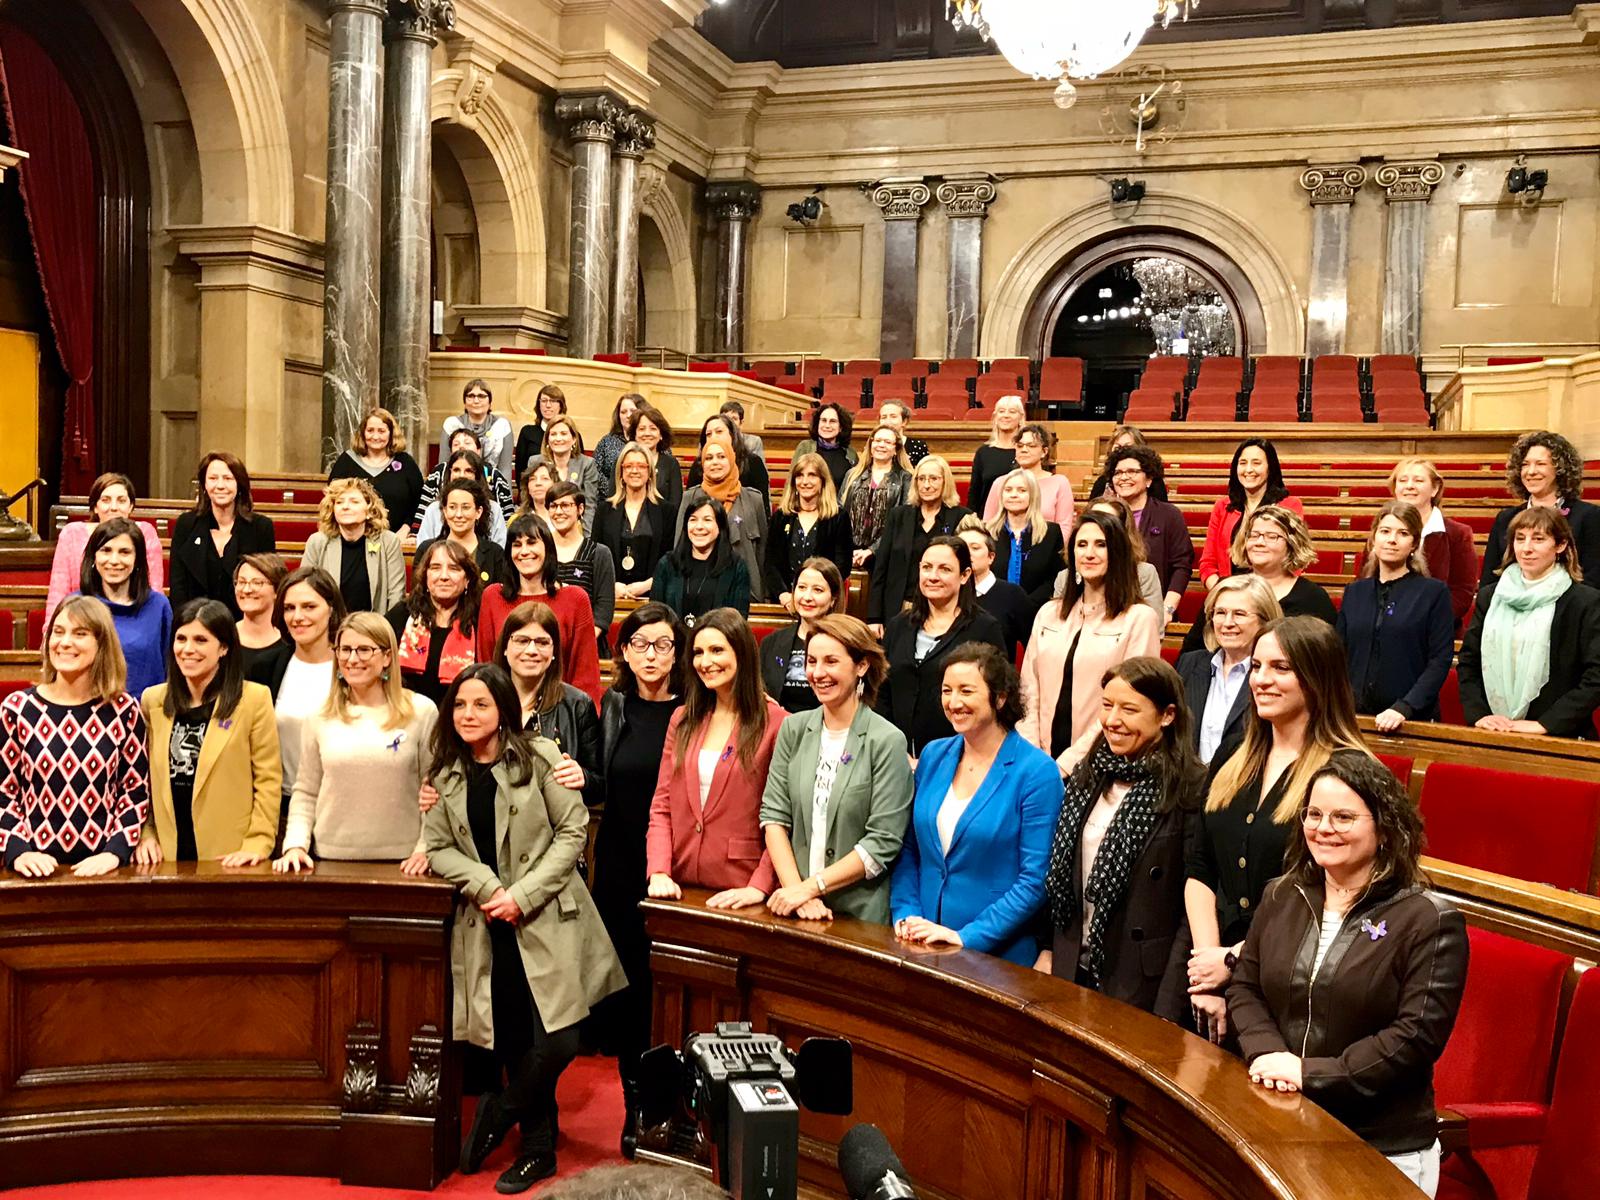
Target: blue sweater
x=145 y=632
x=1409 y=656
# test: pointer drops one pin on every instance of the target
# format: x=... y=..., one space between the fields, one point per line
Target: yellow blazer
x=238 y=782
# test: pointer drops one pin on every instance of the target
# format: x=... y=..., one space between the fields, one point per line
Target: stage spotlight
x=1527 y=186
x=1124 y=191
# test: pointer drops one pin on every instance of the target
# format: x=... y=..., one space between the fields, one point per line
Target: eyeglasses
x=562 y=506
x=641 y=645
x=517 y=643
x=1342 y=822
x=250 y=585
x=1126 y=473
x=1265 y=536
x=359 y=654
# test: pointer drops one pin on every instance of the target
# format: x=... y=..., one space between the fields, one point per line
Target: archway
x=456 y=264
x=663 y=321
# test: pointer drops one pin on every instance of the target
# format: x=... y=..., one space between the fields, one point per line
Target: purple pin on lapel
x=1381 y=929
x=225 y=723
x=846 y=758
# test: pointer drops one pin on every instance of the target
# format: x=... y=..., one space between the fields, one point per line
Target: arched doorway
x=455 y=259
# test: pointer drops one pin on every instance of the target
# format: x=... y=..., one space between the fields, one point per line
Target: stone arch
x=494 y=159
x=1013 y=312
x=666 y=221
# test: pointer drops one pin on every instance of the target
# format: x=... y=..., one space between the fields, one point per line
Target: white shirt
x=1094 y=833
x=985 y=585
x=303 y=692
x=708 y=768
x=1224 y=690
x=950 y=816
x=1331 y=923
x=829 y=750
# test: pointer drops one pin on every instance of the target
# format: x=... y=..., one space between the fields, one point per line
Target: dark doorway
x=1104 y=323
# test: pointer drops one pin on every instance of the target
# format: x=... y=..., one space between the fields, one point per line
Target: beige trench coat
x=541 y=829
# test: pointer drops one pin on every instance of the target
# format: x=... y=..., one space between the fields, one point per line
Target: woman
x=354 y=544
x=971 y=872
x=255 y=589
x=751 y=470
x=808 y=523
x=817 y=592
x=493 y=432
x=464 y=463
x=1055 y=491
x=1352 y=975
x=1447 y=545
x=1098 y=622
x=997 y=456
x=111 y=495
x=831 y=429
x=838 y=795
x=533 y=557
x=221 y=529
x=377 y=455
x=898 y=417
x=206 y=714
x=1255 y=480
x=1004 y=601
x=537 y=481
x=1276 y=545
x=466 y=519
x=435 y=625
x=633 y=737
x=549 y=404
x=702 y=572
x=746 y=511
x=529 y=956
x=1216 y=678
x=944 y=616
x=581 y=561
x=1396 y=624
x=1028 y=548
x=1149 y=581
x=74 y=774
x=704 y=819
x=1302 y=712
x=1161 y=527
x=652 y=431
x=633 y=523
x=1530 y=661
x=907 y=530
x=1122 y=437
x=1544 y=470
x=609 y=448
x=115 y=573
x=362 y=759
x=879 y=483
x=529 y=649
x=563 y=451
x=1115 y=882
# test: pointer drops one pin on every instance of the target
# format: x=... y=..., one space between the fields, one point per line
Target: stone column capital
x=1335 y=183
x=902 y=201
x=966 y=197
x=591 y=116
x=733 y=200
x=636 y=134
x=420 y=19
x=371 y=8
x=1408 y=180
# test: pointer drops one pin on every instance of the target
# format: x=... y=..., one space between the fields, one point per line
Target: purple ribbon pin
x=394 y=746
x=846 y=758
x=1381 y=929
x=225 y=723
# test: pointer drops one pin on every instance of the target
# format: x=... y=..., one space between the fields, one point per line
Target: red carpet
x=591 y=1119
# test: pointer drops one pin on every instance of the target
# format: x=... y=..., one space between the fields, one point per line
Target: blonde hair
x=1036 y=522
x=397 y=700
x=108 y=676
x=358 y=436
x=827 y=502
x=950 y=496
x=1256 y=590
x=1406 y=513
x=1021 y=401
x=865 y=465
x=620 y=491
x=1426 y=465
x=377 y=512
x=1300 y=552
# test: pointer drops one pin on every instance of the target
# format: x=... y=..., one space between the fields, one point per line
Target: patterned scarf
x=1124 y=841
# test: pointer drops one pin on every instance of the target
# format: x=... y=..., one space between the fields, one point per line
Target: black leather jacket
x=572 y=725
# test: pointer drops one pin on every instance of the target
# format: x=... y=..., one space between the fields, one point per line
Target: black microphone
x=870 y=1168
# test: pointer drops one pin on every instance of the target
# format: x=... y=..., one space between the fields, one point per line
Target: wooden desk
x=187 y=1019
x=996 y=1083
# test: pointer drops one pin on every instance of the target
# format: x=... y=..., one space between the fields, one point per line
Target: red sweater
x=580 y=654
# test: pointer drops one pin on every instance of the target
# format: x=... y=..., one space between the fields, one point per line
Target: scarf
x=1516 y=639
x=1112 y=871
x=459 y=650
x=726 y=492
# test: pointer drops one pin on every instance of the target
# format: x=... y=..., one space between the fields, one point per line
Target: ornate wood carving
x=422 y=1078
x=361 y=1070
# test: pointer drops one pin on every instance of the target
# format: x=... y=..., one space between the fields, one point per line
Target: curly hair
x=1146 y=456
x=1568 y=463
x=1395 y=819
x=1301 y=553
x=377 y=511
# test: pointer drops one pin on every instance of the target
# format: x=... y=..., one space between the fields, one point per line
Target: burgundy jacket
x=1453 y=558
x=1167 y=544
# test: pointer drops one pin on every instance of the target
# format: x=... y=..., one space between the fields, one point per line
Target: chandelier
x=1058 y=39
x=1186 y=314
x=1165 y=283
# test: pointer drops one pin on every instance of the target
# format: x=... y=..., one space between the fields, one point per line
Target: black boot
x=490 y=1124
x=528 y=1170
x=630 y=1116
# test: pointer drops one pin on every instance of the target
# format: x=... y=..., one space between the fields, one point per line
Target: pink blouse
x=67 y=564
x=1055 y=501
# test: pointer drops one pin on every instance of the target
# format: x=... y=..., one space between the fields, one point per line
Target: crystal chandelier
x=1186 y=314
x=1165 y=283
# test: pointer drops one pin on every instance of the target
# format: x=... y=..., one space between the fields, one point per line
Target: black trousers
x=531 y=1057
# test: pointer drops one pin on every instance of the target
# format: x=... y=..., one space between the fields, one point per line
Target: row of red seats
x=1276 y=389
x=938 y=383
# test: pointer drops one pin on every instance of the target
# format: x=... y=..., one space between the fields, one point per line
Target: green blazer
x=869 y=806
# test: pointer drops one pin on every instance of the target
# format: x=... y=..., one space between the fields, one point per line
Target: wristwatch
x=1230 y=960
x=822 y=885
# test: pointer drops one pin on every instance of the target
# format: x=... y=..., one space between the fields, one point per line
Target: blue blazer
x=1403 y=664
x=989 y=887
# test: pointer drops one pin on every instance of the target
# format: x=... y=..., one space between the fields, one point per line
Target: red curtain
x=59 y=197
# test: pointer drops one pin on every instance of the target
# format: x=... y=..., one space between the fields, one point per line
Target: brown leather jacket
x=1371 y=1025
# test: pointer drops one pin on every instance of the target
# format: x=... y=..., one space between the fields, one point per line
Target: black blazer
x=909 y=697
x=1581 y=515
x=530 y=441
x=493 y=565
x=271 y=665
x=647 y=549
x=1009 y=605
x=1402 y=664
x=732 y=590
x=1041 y=562
x=669 y=480
x=832 y=541
x=893 y=571
x=1565 y=705
x=196 y=571
x=774 y=654
x=1194 y=668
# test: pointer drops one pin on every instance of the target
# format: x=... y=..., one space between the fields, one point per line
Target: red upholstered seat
x=1170 y=654
x=35 y=632
x=1450 y=712
x=1568 y=1166
x=1463 y=812
x=992 y=387
x=1220 y=372
x=1399 y=765
x=772 y=367
x=1061 y=381
x=946 y=407
x=1190 y=605
x=1391 y=362
x=793 y=384
x=814 y=370
x=914 y=368
x=959 y=368
x=894 y=387
x=710 y=368
x=7 y=686
x=862 y=367
x=842 y=389
x=1022 y=368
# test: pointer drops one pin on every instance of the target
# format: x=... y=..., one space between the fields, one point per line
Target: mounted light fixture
x=1125 y=191
x=804 y=212
x=1527 y=186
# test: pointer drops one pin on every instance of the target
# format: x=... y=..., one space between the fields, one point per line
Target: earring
x=386 y=676
x=1077 y=578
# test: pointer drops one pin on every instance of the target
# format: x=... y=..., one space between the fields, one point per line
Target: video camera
x=737 y=1085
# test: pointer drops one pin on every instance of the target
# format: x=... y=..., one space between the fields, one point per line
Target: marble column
x=407 y=206
x=902 y=223
x=1407 y=187
x=966 y=205
x=733 y=204
x=1332 y=190
x=636 y=134
x=350 y=282
x=592 y=120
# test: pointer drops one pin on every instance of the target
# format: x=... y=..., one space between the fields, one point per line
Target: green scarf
x=1516 y=639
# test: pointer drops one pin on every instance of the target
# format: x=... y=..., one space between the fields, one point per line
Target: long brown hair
x=1551 y=521
x=858 y=642
x=1406 y=513
x=1122 y=568
x=1178 y=770
x=242 y=503
x=749 y=696
x=1394 y=817
x=419 y=603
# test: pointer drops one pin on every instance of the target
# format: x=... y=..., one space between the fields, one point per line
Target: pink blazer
x=1136 y=632
x=721 y=847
